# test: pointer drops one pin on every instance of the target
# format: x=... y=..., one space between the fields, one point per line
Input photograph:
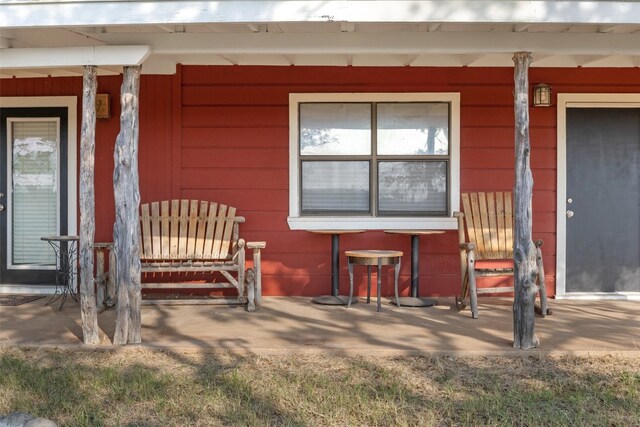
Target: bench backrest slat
x=211 y=228
x=508 y=225
x=200 y=233
x=502 y=232
x=217 y=237
x=228 y=230
x=188 y=230
x=175 y=227
x=489 y=224
x=184 y=228
x=165 y=217
x=155 y=230
x=193 y=222
x=145 y=229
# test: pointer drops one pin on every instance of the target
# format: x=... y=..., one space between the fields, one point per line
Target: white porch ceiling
x=427 y=33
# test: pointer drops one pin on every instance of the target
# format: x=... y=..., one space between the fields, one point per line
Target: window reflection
x=413 y=128
x=335 y=129
x=412 y=187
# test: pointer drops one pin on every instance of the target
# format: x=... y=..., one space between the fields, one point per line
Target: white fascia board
x=383 y=43
x=15 y=14
x=73 y=56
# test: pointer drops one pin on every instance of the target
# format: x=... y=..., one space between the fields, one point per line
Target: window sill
x=369 y=223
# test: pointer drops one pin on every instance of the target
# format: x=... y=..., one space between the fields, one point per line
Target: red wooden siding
x=221 y=133
x=155 y=135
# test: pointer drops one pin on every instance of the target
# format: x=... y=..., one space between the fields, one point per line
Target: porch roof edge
x=73 y=56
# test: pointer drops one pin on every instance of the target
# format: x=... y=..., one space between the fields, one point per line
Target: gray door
x=603 y=200
x=33 y=195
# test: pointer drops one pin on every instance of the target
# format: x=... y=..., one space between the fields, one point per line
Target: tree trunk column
x=89 y=311
x=524 y=251
x=126 y=231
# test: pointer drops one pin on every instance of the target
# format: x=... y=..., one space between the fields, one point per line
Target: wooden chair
x=488 y=222
x=191 y=236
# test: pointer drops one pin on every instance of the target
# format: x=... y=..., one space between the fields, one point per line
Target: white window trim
x=70 y=103
x=580 y=100
x=298 y=222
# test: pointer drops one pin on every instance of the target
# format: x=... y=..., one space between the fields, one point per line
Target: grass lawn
x=137 y=387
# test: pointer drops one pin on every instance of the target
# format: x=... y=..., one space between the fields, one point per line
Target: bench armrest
x=467 y=246
x=256 y=245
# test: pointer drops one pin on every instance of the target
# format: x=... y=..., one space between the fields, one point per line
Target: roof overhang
x=41 y=38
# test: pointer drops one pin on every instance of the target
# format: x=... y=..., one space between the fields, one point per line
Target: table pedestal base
x=415 y=302
x=337 y=300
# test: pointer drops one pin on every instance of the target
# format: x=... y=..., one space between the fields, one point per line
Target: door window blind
x=34 y=190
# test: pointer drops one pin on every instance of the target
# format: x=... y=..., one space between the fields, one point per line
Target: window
x=373 y=161
x=34 y=183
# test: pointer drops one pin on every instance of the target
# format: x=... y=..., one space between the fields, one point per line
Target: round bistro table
x=414 y=300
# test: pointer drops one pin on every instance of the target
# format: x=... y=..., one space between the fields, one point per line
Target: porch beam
x=354 y=43
x=61 y=57
x=96 y=13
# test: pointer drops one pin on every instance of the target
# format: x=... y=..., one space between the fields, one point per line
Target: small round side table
x=377 y=258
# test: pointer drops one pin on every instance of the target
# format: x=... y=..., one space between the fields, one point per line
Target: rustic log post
x=524 y=251
x=87 y=207
x=126 y=231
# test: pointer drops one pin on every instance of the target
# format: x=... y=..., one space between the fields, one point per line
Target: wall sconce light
x=103 y=106
x=542 y=95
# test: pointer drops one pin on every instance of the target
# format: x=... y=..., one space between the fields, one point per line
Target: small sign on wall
x=103 y=106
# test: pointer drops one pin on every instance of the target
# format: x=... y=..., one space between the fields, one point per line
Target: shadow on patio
x=295 y=325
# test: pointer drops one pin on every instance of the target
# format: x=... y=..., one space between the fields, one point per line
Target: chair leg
x=250 y=277
x=350 y=268
x=368 y=284
x=473 y=294
x=544 y=308
x=462 y=300
x=379 y=277
x=241 y=270
x=395 y=281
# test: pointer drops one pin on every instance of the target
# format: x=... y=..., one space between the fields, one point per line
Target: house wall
x=221 y=134
x=155 y=134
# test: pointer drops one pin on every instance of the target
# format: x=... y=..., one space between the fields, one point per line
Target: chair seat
x=488 y=264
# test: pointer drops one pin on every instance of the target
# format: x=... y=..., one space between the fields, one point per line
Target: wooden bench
x=191 y=236
x=485 y=231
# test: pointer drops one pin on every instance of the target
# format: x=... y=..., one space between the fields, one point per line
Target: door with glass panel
x=33 y=195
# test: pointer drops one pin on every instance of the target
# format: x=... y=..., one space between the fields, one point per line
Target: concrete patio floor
x=291 y=325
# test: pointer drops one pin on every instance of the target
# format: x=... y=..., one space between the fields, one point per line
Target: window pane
x=34 y=190
x=335 y=129
x=335 y=186
x=413 y=128
x=412 y=187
